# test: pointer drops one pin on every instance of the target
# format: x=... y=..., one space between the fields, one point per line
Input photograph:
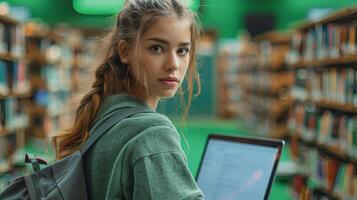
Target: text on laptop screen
x=233 y=170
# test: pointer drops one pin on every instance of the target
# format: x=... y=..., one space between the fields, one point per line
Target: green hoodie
x=154 y=165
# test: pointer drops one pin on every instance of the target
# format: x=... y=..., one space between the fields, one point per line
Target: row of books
x=324 y=41
x=49 y=113
x=228 y=93
x=269 y=125
x=268 y=106
x=48 y=71
x=57 y=78
x=334 y=85
x=269 y=57
x=273 y=55
x=12 y=114
x=64 y=83
x=59 y=54
x=338 y=130
x=53 y=102
x=84 y=62
x=51 y=56
x=266 y=81
x=57 y=103
x=333 y=129
x=14 y=78
x=12 y=39
x=335 y=176
x=339 y=85
x=44 y=49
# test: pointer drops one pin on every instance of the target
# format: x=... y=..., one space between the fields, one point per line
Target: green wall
x=226 y=16
x=58 y=11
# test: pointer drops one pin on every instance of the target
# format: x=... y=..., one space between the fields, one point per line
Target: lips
x=170 y=82
x=171 y=79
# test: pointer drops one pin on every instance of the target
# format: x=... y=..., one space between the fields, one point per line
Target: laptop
x=235 y=167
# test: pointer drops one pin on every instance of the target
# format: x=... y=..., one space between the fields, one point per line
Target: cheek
x=153 y=64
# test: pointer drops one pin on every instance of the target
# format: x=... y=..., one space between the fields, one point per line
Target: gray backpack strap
x=116 y=118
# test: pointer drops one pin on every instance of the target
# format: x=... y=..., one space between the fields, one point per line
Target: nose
x=172 y=63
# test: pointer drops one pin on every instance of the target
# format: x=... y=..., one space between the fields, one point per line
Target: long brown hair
x=113 y=76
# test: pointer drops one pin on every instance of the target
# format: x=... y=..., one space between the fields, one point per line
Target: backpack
x=64 y=179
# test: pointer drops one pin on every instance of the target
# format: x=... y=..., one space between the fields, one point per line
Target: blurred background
x=282 y=69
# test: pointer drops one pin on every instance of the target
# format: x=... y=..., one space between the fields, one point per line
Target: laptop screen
x=238 y=168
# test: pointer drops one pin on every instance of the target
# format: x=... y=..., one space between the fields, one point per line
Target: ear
x=123 y=51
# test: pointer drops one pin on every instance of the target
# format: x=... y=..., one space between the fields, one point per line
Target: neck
x=152 y=102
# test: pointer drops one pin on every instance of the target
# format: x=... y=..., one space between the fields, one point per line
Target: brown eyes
x=183 y=51
x=157 y=49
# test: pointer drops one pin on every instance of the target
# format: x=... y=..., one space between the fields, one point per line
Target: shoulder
x=157 y=136
x=152 y=119
x=144 y=122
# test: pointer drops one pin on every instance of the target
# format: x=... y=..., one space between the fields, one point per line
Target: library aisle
x=279 y=70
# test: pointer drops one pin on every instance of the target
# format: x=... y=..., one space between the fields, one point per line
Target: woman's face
x=164 y=52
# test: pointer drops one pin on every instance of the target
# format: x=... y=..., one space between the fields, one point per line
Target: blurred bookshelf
x=50 y=58
x=323 y=122
x=228 y=92
x=14 y=92
x=265 y=82
x=42 y=72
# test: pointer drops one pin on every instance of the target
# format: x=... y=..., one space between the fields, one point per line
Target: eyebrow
x=167 y=42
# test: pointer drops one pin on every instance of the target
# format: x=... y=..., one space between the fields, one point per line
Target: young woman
x=151 y=52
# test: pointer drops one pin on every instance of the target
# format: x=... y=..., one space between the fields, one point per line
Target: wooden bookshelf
x=4 y=132
x=280 y=132
x=25 y=63
x=337 y=106
x=39 y=133
x=8 y=20
x=19 y=96
x=265 y=68
x=275 y=109
x=49 y=75
x=335 y=152
x=275 y=37
x=325 y=63
x=13 y=100
x=341 y=16
x=227 y=71
x=320 y=190
x=8 y=57
x=38 y=58
x=324 y=192
x=267 y=91
x=327 y=149
x=265 y=82
x=330 y=75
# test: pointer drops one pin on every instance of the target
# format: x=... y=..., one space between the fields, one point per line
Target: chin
x=168 y=94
